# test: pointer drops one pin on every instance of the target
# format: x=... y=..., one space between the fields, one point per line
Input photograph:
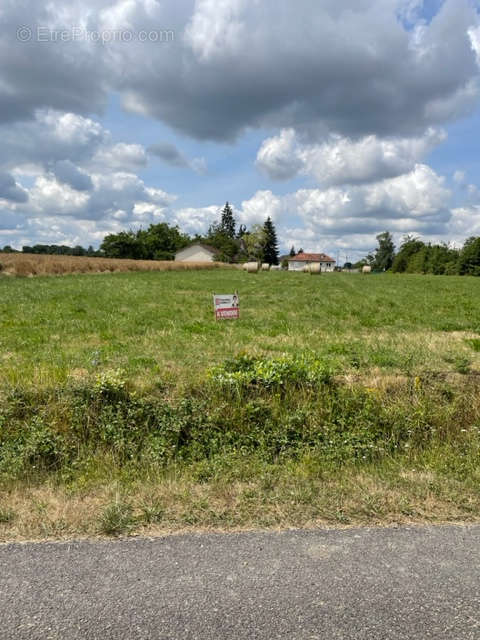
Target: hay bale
x=275 y=267
x=315 y=269
x=251 y=267
x=306 y=269
x=265 y=266
x=366 y=269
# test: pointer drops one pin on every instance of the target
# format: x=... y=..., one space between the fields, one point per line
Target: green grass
x=125 y=407
x=160 y=326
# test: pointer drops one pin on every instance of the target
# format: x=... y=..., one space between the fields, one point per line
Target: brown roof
x=312 y=257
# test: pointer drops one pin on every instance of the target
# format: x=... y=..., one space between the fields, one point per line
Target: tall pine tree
x=270 y=248
x=227 y=222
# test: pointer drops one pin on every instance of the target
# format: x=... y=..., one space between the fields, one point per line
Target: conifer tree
x=270 y=248
x=227 y=222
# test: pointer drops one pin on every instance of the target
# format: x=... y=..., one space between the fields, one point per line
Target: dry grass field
x=25 y=264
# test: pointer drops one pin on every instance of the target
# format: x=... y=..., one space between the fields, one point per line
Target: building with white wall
x=302 y=260
x=197 y=253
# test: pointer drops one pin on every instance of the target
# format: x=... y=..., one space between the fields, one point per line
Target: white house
x=197 y=253
x=301 y=260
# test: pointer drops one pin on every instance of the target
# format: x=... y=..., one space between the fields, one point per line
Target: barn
x=301 y=260
x=197 y=253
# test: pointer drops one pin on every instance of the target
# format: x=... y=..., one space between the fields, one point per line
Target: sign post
x=227 y=307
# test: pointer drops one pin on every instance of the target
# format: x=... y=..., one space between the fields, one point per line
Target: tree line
x=162 y=241
x=56 y=250
x=416 y=256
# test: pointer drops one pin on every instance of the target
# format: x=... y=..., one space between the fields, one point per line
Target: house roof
x=312 y=257
x=207 y=247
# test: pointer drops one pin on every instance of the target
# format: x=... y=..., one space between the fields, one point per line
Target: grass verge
x=261 y=442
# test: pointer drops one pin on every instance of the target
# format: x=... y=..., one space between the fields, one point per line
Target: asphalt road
x=364 y=583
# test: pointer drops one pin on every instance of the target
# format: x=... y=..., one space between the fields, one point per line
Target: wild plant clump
x=286 y=407
x=110 y=382
x=247 y=371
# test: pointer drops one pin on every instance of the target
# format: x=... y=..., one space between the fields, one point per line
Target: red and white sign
x=226 y=306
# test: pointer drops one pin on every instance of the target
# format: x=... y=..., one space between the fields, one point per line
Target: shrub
x=247 y=371
x=111 y=382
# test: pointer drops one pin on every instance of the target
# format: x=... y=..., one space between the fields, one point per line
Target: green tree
x=420 y=261
x=443 y=259
x=122 y=245
x=221 y=235
x=161 y=241
x=158 y=242
x=254 y=242
x=292 y=252
x=469 y=260
x=385 y=252
x=270 y=247
x=227 y=222
x=409 y=247
x=228 y=247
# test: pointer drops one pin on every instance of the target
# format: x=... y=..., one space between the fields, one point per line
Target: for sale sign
x=226 y=306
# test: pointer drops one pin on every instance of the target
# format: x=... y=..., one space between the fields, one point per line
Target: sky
x=339 y=120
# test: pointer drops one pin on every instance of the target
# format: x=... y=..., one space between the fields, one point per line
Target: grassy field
x=125 y=407
x=160 y=326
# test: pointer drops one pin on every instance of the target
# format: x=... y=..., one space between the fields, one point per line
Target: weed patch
x=116 y=519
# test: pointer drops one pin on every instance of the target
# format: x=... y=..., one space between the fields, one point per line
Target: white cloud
x=194 y=220
x=281 y=156
x=262 y=205
x=48 y=195
x=341 y=160
x=465 y=222
x=120 y=156
x=75 y=171
x=416 y=201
